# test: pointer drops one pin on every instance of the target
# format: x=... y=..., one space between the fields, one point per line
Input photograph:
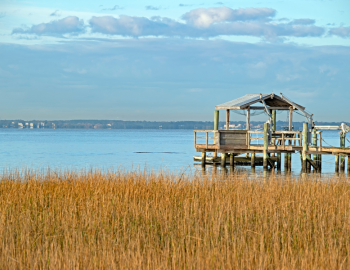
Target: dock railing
x=217 y=139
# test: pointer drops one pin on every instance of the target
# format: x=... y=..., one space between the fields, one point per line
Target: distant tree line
x=119 y=124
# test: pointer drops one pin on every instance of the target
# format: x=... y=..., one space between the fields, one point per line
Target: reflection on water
x=171 y=150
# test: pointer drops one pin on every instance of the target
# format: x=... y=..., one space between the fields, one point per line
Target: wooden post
x=227 y=119
x=216 y=127
x=289 y=161
x=278 y=161
x=342 y=157
x=290 y=118
x=223 y=160
x=314 y=144
x=336 y=163
x=266 y=145
x=216 y=120
x=273 y=112
x=248 y=118
x=285 y=161
x=252 y=160
x=305 y=146
x=232 y=160
x=204 y=156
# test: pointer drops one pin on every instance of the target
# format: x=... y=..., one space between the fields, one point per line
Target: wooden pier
x=270 y=143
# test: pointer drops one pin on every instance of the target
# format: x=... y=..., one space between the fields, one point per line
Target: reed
x=147 y=220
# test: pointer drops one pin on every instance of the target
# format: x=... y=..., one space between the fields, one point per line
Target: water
x=129 y=149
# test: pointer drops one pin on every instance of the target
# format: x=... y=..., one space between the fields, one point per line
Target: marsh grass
x=145 y=220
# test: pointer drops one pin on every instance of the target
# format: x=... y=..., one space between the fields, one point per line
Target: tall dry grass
x=118 y=220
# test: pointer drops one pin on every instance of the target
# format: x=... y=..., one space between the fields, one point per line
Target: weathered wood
x=237 y=136
x=266 y=144
x=204 y=157
x=248 y=119
x=271 y=108
x=233 y=142
x=232 y=160
x=227 y=119
x=252 y=160
x=278 y=161
x=223 y=159
x=271 y=163
x=313 y=163
x=286 y=163
x=289 y=161
x=195 y=139
x=216 y=120
x=305 y=146
x=336 y=163
x=348 y=165
x=290 y=118
x=342 y=157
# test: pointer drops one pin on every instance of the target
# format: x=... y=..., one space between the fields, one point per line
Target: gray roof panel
x=242 y=101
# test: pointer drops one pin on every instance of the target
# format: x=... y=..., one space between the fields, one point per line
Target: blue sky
x=170 y=61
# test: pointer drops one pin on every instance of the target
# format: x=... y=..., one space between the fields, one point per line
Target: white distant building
x=20 y=125
x=27 y=124
x=42 y=124
x=53 y=125
x=31 y=125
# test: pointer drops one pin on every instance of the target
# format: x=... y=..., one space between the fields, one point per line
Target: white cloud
x=71 y=25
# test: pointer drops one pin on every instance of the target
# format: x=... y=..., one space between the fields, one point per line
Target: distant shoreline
x=120 y=124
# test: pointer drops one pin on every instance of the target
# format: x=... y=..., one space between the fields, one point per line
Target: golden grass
x=137 y=220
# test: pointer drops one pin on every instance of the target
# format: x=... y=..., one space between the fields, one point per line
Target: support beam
x=216 y=127
x=216 y=120
x=336 y=163
x=273 y=113
x=248 y=118
x=223 y=159
x=227 y=119
x=252 y=160
x=266 y=144
x=232 y=160
x=204 y=156
x=289 y=161
x=342 y=157
x=290 y=118
x=313 y=163
x=278 y=161
x=286 y=162
x=305 y=146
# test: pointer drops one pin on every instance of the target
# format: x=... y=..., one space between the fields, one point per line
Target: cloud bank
x=197 y=23
x=68 y=25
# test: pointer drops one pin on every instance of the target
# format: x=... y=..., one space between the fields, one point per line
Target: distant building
x=20 y=125
x=31 y=125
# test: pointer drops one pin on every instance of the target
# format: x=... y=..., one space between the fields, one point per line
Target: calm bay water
x=129 y=149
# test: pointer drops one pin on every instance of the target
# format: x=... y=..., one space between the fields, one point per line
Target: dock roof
x=271 y=100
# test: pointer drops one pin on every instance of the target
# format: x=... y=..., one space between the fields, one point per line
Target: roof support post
x=290 y=118
x=248 y=118
x=227 y=119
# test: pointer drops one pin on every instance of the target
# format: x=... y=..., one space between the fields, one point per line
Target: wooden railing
x=280 y=139
x=207 y=137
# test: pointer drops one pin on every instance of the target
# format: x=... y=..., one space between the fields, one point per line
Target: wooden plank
x=232 y=131
x=269 y=107
x=233 y=142
x=290 y=118
x=233 y=136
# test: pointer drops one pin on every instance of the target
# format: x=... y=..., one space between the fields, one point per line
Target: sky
x=173 y=60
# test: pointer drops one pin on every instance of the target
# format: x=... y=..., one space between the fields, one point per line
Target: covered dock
x=271 y=143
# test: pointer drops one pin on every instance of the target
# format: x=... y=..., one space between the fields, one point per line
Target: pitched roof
x=271 y=100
